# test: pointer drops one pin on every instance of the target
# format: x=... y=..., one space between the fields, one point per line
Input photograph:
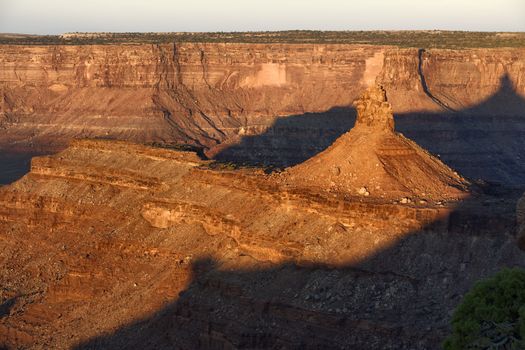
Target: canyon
x=229 y=195
x=242 y=102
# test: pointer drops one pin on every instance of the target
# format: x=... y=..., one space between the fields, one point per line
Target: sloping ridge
x=374 y=160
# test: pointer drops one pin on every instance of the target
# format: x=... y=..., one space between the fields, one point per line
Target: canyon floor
x=253 y=196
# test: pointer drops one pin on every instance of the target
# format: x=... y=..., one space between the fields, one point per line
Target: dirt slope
x=373 y=159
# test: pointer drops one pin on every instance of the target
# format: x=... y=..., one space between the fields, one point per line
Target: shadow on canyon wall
x=14 y=166
x=292 y=139
x=400 y=297
x=424 y=85
x=481 y=142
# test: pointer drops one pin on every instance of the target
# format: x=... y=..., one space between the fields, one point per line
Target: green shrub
x=492 y=314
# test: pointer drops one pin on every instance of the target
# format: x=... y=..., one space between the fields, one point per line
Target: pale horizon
x=61 y=16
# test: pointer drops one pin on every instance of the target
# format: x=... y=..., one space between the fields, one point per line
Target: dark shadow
x=291 y=140
x=15 y=163
x=424 y=85
x=481 y=142
x=6 y=306
x=397 y=298
x=14 y=166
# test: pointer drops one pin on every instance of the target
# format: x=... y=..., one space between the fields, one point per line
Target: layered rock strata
x=229 y=99
x=373 y=159
x=115 y=245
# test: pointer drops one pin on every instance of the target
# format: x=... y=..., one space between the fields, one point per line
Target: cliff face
x=206 y=92
x=113 y=245
x=458 y=79
x=118 y=245
x=231 y=99
x=237 y=84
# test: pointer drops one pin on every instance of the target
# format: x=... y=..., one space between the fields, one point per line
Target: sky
x=60 y=16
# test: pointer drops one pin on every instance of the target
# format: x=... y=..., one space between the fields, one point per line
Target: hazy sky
x=58 y=16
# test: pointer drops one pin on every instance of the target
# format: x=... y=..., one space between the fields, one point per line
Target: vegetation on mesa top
x=426 y=39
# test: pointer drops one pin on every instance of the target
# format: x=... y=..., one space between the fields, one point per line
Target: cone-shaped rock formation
x=374 y=160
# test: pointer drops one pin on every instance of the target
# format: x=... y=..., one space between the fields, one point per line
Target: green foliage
x=492 y=314
x=407 y=38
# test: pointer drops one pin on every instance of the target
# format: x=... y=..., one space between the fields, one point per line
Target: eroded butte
x=373 y=158
x=110 y=244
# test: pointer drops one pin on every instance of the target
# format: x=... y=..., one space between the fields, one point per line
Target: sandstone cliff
x=229 y=98
x=114 y=245
x=111 y=244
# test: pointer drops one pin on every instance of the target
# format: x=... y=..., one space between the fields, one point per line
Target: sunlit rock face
x=274 y=104
x=373 y=111
x=374 y=160
x=125 y=245
x=365 y=241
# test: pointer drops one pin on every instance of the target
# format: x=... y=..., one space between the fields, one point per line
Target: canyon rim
x=272 y=190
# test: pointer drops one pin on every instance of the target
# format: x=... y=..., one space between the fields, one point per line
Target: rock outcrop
x=372 y=159
x=373 y=111
x=115 y=245
x=111 y=244
x=241 y=102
